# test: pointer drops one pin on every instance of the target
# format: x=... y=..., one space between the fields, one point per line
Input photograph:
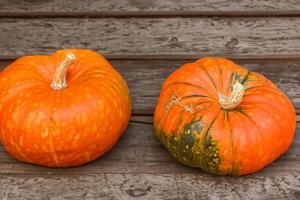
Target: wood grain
x=145 y=8
x=138 y=167
x=145 y=78
x=149 y=186
x=139 y=151
x=231 y=37
x=142 y=176
x=146 y=41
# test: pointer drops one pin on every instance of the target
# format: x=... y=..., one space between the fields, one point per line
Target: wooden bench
x=145 y=41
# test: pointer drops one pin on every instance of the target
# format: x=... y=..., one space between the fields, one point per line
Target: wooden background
x=146 y=40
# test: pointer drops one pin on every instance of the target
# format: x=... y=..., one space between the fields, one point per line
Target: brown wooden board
x=145 y=78
x=146 y=8
x=149 y=187
x=231 y=37
x=146 y=41
x=139 y=151
x=140 y=167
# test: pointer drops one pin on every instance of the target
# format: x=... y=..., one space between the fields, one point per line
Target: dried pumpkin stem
x=59 y=80
x=235 y=97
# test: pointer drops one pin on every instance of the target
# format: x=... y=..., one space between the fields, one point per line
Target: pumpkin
x=218 y=116
x=62 y=110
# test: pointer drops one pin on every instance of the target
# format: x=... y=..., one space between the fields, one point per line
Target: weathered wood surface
x=148 y=186
x=145 y=78
x=138 y=151
x=146 y=41
x=231 y=37
x=139 y=167
x=152 y=8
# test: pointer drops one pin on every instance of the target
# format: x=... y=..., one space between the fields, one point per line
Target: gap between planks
x=148 y=119
x=188 y=57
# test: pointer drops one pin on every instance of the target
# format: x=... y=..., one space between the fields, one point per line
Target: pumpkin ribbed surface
x=62 y=111
x=218 y=116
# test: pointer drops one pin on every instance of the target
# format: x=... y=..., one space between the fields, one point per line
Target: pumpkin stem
x=59 y=80
x=235 y=97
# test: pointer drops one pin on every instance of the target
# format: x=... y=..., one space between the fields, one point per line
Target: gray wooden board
x=139 y=167
x=138 y=151
x=149 y=186
x=229 y=37
x=17 y=6
x=145 y=78
x=146 y=41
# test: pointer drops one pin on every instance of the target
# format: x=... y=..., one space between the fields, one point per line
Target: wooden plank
x=149 y=186
x=142 y=8
x=231 y=37
x=145 y=178
x=145 y=78
x=139 y=151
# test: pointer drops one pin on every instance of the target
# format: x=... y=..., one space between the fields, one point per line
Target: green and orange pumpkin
x=218 y=116
x=62 y=110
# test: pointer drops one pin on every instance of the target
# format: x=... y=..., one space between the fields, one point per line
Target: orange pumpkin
x=62 y=110
x=222 y=118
